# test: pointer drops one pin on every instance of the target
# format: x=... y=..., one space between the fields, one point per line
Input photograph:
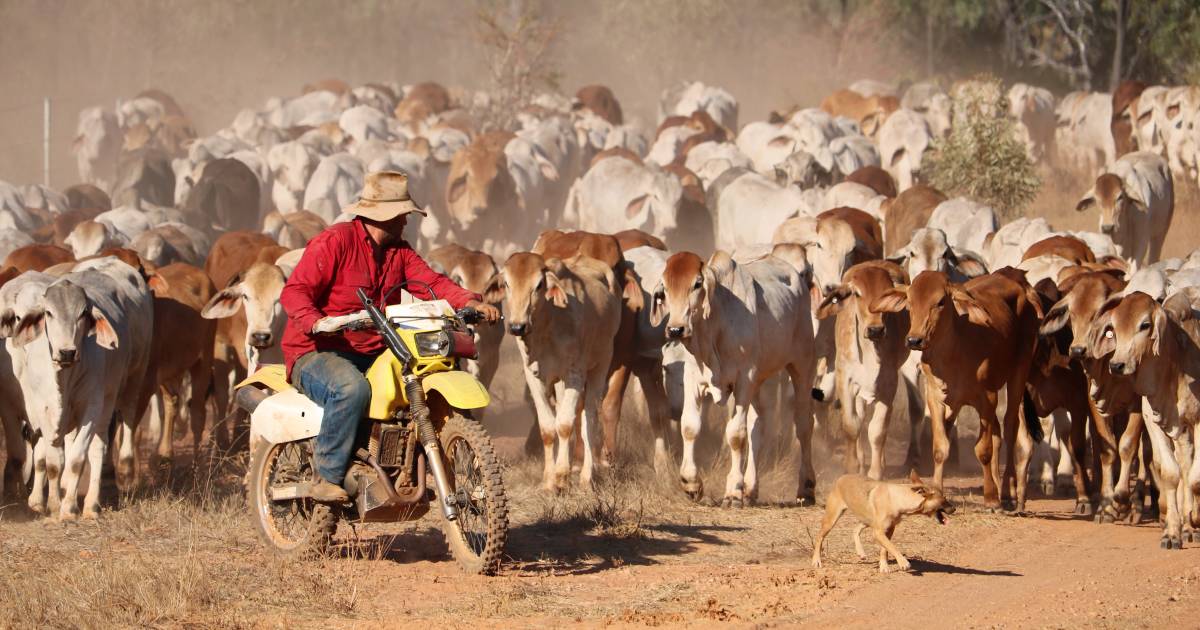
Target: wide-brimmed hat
x=384 y=197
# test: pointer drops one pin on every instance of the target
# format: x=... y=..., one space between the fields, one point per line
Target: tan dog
x=880 y=505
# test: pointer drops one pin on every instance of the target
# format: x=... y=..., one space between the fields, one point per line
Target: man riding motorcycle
x=367 y=253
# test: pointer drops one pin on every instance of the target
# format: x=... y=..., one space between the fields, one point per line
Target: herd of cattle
x=710 y=261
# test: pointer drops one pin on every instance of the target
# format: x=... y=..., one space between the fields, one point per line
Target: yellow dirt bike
x=417 y=426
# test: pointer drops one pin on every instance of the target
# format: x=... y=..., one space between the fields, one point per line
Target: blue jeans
x=335 y=381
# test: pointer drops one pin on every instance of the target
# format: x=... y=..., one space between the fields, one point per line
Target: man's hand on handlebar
x=490 y=313
x=334 y=324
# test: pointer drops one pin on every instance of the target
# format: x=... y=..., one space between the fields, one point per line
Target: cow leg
x=651 y=378
x=97 y=449
x=1067 y=475
x=77 y=450
x=1103 y=435
x=1076 y=448
x=1127 y=449
x=735 y=438
x=610 y=411
x=167 y=400
x=987 y=450
x=754 y=417
x=546 y=426
x=1185 y=453
x=941 y=444
x=689 y=430
x=1023 y=442
x=803 y=420
x=201 y=378
x=1168 y=473
x=54 y=471
x=566 y=410
x=592 y=398
x=916 y=411
x=877 y=435
x=37 y=490
x=852 y=414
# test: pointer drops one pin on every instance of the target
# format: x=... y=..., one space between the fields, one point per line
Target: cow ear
x=635 y=206
x=495 y=289
x=970 y=267
x=28 y=328
x=1085 y=203
x=1056 y=318
x=106 y=337
x=658 y=304
x=1158 y=331
x=224 y=304
x=633 y=290
x=157 y=283
x=965 y=304
x=457 y=189
x=832 y=304
x=554 y=291
x=893 y=300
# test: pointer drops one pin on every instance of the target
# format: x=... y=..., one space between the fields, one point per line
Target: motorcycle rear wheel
x=477 y=538
x=293 y=527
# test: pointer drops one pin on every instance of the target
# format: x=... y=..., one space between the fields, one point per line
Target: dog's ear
x=915 y=478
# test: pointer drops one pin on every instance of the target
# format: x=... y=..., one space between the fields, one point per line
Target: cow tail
x=1032 y=422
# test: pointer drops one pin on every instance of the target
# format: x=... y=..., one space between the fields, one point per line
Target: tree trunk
x=928 y=42
x=1114 y=79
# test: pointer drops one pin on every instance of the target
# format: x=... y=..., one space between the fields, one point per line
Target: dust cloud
x=220 y=56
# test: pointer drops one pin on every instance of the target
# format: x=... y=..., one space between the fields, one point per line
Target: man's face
x=394 y=229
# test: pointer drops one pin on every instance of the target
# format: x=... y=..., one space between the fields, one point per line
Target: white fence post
x=46 y=142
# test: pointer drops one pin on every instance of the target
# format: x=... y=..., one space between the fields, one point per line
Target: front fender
x=460 y=389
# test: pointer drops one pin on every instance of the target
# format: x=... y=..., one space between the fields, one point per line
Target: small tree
x=517 y=41
x=982 y=158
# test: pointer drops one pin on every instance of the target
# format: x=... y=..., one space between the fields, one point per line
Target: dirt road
x=632 y=554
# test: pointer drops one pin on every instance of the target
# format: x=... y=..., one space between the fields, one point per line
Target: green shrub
x=982 y=157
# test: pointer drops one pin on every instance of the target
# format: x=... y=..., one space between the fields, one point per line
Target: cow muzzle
x=875 y=333
x=1108 y=228
x=518 y=330
x=260 y=340
x=915 y=343
x=66 y=357
x=675 y=332
x=1077 y=352
x=1121 y=368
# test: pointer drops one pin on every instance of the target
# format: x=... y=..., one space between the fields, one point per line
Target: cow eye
x=942 y=302
x=699 y=282
x=541 y=284
x=1144 y=325
x=1108 y=333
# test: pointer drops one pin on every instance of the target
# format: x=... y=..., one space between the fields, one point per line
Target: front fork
x=429 y=441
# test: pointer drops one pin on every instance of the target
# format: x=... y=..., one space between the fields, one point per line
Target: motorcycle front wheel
x=477 y=537
x=298 y=526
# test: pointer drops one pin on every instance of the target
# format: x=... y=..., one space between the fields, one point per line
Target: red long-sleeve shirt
x=335 y=264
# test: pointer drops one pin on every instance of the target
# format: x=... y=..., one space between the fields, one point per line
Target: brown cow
x=87 y=196
x=336 y=86
x=226 y=195
x=908 y=212
x=1113 y=406
x=975 y=338
x=183 y=344
x=37 y=257
x=876 y=179
x=1124 y=98
x=607 y=249
x=144 y=175
x=1063 y=246
x=868 y=111
x=294 y=229
x=482 y=195
x=472 y=270
x=621 y=152
x=422 y=101
x=628 y=239
x=599 y=100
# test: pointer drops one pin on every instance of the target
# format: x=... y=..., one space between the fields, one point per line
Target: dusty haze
x=219 y=56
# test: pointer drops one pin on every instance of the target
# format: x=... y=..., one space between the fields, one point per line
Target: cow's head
x=257 y=292
x=526 y=286
x=479 y=180
x=292 y=165
x=927 y=251
x=66 y=317
x=1084 y=293
x=1128 y=331
x=1109 y=195
x=862 y=285
x=685 y=292
x=932 y=302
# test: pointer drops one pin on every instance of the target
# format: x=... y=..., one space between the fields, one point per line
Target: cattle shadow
x=921 y=567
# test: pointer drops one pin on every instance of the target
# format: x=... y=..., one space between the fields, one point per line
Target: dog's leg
x=858 y=548
x=887 y=547
x=834 y=507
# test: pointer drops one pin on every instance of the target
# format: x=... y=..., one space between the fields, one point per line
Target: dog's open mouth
x=941 y=517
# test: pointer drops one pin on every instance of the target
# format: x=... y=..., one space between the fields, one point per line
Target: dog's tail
x=1032 y=422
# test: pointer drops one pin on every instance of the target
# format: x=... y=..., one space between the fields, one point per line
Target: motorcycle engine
x=388 y=443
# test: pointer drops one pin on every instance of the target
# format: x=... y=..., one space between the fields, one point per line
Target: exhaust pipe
x=249 y=398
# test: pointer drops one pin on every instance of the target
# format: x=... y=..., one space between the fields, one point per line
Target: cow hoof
x=1083 y=507
x=1176 y=543
x=693 y=489
x=1165 y=543
x=1048 y=488
x=1189 y=537
x=1105 y=518
x=1008 y=505
x=806 y=500
x=732 y=502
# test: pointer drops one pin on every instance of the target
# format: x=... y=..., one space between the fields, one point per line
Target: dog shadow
x=921 y=567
